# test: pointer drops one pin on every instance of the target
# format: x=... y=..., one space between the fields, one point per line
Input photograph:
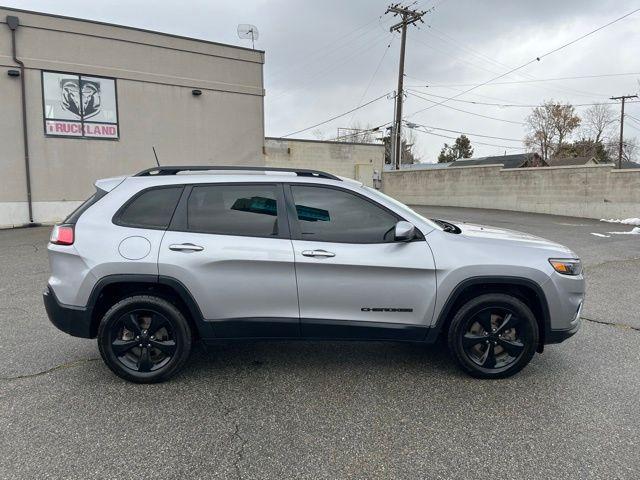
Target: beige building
x=98 y=97
x=362 y=161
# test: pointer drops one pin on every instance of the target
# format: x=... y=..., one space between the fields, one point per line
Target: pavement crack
x=612 y=324
x=240 y=451
x=50 y=370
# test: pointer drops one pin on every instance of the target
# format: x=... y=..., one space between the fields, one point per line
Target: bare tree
x=597 y=121
x=541 y=133
x=630 y=149
x=549 y=126
x=565 y=121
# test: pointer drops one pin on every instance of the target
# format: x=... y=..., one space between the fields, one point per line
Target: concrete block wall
x=592 y=191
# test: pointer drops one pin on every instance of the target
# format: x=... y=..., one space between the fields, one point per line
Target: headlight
x=566 y=266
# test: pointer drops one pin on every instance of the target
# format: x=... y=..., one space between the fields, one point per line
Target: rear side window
x=244 y=210
x=331 y=215
x=75 y=215
x=151 y=209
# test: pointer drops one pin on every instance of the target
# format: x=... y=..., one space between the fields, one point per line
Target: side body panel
x=241 y=284
x=101 y=249
x=378 y=283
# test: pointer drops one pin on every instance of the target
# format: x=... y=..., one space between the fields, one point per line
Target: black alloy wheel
x=144 y=339
x=493 y=336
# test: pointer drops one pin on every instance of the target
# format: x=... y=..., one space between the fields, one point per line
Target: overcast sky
x=322 y=57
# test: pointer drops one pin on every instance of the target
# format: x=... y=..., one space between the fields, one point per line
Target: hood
x=484 y=232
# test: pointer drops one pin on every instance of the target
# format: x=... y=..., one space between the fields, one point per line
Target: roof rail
x=173 y=170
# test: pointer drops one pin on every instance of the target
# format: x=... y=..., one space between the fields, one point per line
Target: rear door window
x=152 y=208
x=244 y=210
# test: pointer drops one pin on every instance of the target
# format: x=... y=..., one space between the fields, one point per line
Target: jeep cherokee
x=155 y=261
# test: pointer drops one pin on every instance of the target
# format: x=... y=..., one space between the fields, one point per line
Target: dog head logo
x=82 y=98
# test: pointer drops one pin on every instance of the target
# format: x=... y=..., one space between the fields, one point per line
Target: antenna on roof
x=155 y=154
x=246 y=31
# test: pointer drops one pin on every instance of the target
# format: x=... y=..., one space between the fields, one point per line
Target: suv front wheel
x=144 y=339
x=493 y=336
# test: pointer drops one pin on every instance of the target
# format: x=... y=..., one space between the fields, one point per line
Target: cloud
x=321 y=56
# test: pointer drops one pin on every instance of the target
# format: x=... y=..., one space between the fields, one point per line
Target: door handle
x=318 y=253
x=186 y=247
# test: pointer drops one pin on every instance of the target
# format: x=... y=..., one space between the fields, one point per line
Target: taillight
x=62 y=235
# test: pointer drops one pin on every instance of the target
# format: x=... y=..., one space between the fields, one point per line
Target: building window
x=79 y=106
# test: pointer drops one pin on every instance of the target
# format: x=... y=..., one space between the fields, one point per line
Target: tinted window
x=330 y=215
x=75 y=215
x=246 y=210
x=151 y=209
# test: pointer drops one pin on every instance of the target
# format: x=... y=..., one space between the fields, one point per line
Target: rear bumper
x=75 y=321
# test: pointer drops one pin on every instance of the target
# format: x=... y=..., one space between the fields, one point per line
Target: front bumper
x=75 y=321
x=557 y=336
x=560 y=335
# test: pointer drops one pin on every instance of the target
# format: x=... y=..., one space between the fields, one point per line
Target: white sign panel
x=79 y=106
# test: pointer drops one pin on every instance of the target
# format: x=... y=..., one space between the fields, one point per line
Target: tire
x=493 y=336
x=144 y=339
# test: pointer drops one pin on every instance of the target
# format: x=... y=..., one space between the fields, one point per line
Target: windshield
x=401 y=206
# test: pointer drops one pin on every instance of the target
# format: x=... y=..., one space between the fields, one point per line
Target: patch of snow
x=600 y=235
x=635 y=231
x=624 y=221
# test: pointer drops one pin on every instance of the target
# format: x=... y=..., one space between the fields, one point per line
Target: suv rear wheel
x=493 y=336
x=144 y=339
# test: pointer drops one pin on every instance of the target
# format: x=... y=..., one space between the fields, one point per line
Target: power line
x=477 y=143
x=339 y=42
x=366 y=90
x=360 y=132
x=436 y=104
x=511 y=82
x=486 y=58
x=536 y=59
x=336 y=116
x=631 y=116
x=463 y=133
x=506 y=105
x=325 y=71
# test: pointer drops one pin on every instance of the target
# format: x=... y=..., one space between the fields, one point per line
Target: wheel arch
x=522 y=288
x=112 y=288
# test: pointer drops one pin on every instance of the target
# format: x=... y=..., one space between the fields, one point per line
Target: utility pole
x=623 y=98
x=409 y=17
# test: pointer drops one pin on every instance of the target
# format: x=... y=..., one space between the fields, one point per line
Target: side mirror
x=404 y=232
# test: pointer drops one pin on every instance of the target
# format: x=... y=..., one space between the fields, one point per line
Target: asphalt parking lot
x=329 y=410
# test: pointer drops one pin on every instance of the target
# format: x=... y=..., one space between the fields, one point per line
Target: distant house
x=627 y=164
x=419 y=166
x=572 y=161
x=519 y=160
x=579 y=161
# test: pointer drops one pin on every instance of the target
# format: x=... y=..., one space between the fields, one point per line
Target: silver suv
x=155 y=261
